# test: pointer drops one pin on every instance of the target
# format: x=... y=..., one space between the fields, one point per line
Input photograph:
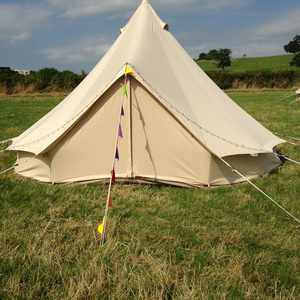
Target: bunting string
x=102 y=228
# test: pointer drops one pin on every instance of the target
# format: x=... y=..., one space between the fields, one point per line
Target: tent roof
x=298 y=92
x=169 y=73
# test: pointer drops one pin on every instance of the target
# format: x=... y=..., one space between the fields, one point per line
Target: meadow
x=164 y=242
x=248 y=64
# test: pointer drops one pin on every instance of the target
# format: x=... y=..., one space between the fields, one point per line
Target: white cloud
x=17 y=22
x=287 y=24
x=78 y=8
x=83 y=51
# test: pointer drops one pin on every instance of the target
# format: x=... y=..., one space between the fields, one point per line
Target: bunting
x=117 y=156
x=109 y=204
x=120 y=133
x=100 y=228
x=113 y=176
x=125 y=92
x=128 y=70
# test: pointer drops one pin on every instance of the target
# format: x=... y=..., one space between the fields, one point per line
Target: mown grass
x=268 y=63
x=164 y=242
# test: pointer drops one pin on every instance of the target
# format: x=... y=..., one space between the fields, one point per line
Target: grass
x=268 y=63
x=164 y=242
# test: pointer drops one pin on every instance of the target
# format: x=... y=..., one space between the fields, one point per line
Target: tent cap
x=145 y=4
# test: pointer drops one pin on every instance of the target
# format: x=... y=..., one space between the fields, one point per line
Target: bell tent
x=177 y=126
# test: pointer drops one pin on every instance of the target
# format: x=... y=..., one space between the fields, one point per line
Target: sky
x=75 y=34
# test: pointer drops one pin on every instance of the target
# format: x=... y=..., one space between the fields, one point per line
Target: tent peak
x=145 y=5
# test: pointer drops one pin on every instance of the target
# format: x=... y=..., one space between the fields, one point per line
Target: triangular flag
x=110 y=204
x=128 y=70
x=122 y=111
x=113 y=176
x=125 y=90
x=117 y=156
x=100 y=228
x=120 y=133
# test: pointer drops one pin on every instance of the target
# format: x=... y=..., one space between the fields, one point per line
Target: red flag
x=113 y=176
x=120 y=131
x=117 y=156
x=122 y=111
x=110 y=204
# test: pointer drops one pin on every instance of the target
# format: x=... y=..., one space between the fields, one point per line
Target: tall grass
x=164 y=242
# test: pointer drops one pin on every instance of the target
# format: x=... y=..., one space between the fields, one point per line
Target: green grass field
x=268 y=63
x=164 y=242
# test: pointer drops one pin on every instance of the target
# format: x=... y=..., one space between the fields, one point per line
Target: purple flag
x=117 y=154
x=120 y=132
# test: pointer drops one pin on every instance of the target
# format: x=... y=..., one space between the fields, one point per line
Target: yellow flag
x=100 y=228
x=128 y=70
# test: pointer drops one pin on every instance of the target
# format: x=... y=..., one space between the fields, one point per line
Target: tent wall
x=251 y=166
x=155 y=147
x=87 y=151
x=37 y=167
x=163 y=149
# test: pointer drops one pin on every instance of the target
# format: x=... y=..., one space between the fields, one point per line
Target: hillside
x=270 y=63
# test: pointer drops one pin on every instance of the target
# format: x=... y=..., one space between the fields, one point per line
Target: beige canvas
x=156 y=147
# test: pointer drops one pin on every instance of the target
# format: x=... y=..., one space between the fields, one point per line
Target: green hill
x=270 y=63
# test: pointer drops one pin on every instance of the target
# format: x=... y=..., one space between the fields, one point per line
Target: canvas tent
x=177 y=122
x=298 y=92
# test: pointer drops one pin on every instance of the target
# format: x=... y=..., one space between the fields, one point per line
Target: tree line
x=47 y=79
x=50 y=79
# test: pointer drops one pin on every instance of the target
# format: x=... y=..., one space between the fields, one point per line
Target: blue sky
x=74 y=34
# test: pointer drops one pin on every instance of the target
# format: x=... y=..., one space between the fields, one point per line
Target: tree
x=202 y=56
x=293 y=46
x=44 y=77
x=296 y=60
x=213 y=54
x=224 y=58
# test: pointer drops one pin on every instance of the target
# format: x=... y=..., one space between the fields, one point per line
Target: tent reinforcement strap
x=260 y=190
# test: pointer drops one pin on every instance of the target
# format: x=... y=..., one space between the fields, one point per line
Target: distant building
x=22 y=72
